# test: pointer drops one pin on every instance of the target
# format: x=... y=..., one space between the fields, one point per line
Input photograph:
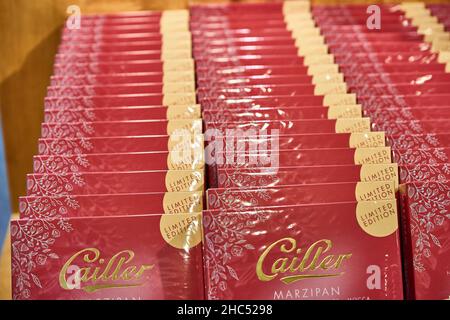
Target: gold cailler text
x=299 y=264
x=103 y=273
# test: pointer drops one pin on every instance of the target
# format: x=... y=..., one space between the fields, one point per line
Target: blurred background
x=30 y=31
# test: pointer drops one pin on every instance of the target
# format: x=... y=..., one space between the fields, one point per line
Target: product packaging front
x=277 y=101
x=123 y=114
x=120 y=128
x=283 y=113
x=132 y=88
x=120 y=144
x=426 y=229
x=112 y=258
x=345 y=251
x=299 y=158
x=423 y=171
x=110 y=101
x=421 y=156
x=344 y=125
x=122 y=78
x=42 y=207
x=76 y=183
x=244 y=199
x=185 y=159
x=274 y=177
x=265 y=141
x=123 y=66
x=409 y=126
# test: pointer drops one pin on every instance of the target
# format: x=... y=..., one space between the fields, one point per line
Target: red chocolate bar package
x=418 y=141
x=126 y=258
x=255 y=177
x=426 y=229
x=109 y=101
x=260 y=70
x=409 y=126
x=74 y=182
x=428 y=113
x=320 y=251
x=274 y=79
x=412 y=78
x=157 y=17
x=393 y=67
x=99 y=24
x=120 y=128
x=111 y=204
x=121 y=78
x=299 y=158
x=343 y=125
x=73 y=146
x=122 y=56
x=90 y=38
x=221 y=9
x=242 y=51
x=283 y=113
x=140 y=45
x=419 y=57
x=404 y=101
x=138 y=26
x=131 y=88
x=123 y=67
x=183 y=159
x=248 y=142
x=424 y=155
x=290 y=90
x=243 y=199
x=407 y=89
x=277 y=101
x=423 y=171
x=126 y=113
x=250 y=59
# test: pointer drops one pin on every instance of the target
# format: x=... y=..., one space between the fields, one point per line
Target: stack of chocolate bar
x=399 y=71
x=317 y=119
x=111 y=210
x=302 y=198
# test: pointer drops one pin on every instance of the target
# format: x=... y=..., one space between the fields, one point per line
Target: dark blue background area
x=5 y=206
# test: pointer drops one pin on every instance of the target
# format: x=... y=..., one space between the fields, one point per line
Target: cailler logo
x=297 y=264
x=89 y=271
x=258 y=148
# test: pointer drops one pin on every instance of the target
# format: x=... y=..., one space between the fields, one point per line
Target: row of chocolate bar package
x=275 y=230
x=314 y=126
x=342 y=99
x=112 y=208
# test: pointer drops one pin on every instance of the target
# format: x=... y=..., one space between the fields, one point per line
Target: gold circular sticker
x=377 y=218
x=181 y=231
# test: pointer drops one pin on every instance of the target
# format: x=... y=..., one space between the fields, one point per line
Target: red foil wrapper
x=323 y=251
x=426 y=229
x=123 y=258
